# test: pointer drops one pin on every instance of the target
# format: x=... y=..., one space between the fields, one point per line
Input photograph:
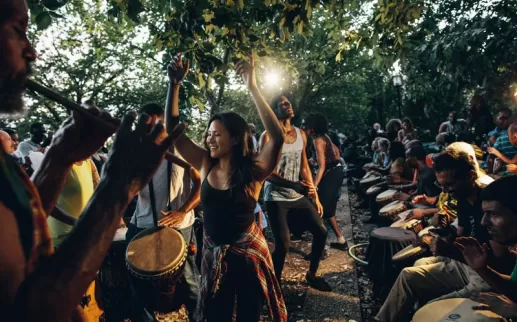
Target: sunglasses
x=286 y=103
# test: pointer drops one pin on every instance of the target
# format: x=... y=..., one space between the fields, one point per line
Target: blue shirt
x=503 y=145
x=497 y=132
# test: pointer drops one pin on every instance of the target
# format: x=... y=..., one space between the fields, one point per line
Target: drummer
x=500 y=219
x=415 y=157
x=443 y=277
x=169 y=200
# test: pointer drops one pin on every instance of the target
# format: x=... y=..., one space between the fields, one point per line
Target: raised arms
x=267 y=158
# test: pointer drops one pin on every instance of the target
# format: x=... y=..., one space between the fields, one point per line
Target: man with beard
x=437 y=278
x=500 y=219
x=286 y=196
x=33 y=144
x=37 y=283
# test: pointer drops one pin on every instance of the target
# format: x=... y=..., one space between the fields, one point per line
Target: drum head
x=404 y=214
x=391 y=207
x=401 y=223
x=389 y=233
x=386 y=195
x=120 y=235
x=459 y=310
x=370 y=179
x=373 y=190
x=425 y=231
x=409 y=251
x=155 y=250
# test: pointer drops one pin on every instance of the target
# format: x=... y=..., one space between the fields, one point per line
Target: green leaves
x=43 y=20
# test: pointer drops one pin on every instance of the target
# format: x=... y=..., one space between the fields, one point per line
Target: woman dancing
x=236 y=265
x=330 y=174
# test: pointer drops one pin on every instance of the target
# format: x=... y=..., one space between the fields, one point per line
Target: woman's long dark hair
x=242 y=161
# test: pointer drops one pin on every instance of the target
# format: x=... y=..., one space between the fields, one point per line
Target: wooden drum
x=414 y=225
x=366 y=183
x=385 y=197
x=410 y=254
x=457 y=310
x=155 y=259
x=374 y=190
x=392 y=209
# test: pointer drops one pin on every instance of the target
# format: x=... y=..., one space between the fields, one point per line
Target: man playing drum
x=415 y=158
x=170 y=198
x=500 y=219
x=38 y=284
x=442 y=277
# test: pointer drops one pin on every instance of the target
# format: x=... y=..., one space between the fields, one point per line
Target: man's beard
x=11 y=102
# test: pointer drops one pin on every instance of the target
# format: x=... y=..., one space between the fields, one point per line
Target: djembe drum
x=385 y=197
x=155 y=259
x=366 y=183
x=384 y=243
x=393 y=209
x=457 y=310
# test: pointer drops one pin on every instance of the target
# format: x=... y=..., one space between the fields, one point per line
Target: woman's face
x=218 y=140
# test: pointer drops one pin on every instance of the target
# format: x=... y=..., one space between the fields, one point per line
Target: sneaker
x=339 y=246
x=318 y=283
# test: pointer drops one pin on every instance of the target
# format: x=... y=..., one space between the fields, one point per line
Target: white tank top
x=288 y=168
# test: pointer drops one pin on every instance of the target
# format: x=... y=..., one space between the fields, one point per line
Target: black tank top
x=227 y=213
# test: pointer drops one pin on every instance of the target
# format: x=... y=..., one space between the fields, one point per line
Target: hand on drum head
x=496 y=303
x=421 y=200
x=475 y=255
x=172 y=218
x=416 y=213
x=81 y=135
x=136 y=154
x=401 y=196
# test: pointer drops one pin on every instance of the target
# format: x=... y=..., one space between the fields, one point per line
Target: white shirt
x=180 y=187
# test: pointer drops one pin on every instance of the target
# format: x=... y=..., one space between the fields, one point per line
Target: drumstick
x=72 y=106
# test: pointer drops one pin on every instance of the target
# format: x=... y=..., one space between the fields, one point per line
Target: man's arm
x=62 y=216
x=306 y=175
x=499 y=282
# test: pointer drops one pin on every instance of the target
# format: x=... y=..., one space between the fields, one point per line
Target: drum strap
x=153 y=197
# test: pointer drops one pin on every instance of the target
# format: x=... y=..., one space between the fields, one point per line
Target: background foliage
x=332 y=56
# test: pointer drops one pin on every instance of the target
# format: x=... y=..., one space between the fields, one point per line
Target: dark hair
x=35 y=126
x=418 y=152
x=502 y=190
x=504 y=110
x=151 y=109
x=242 y=161
x=458 y=161
x=318 y=123
x=9 y=131
x=396 y=150
x=393 y=126
x=408 y=121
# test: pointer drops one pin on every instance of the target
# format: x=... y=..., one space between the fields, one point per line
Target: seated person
x=504 y=151
x=395 y=150
x=443 y=277
x=415 y=158
x=500 y=219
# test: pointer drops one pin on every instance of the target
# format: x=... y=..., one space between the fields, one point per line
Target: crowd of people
x=64 y=200
x=463 y=196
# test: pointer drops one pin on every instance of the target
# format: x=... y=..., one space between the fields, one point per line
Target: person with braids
x=236 y=267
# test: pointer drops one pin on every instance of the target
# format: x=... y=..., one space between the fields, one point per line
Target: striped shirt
x=503 y=145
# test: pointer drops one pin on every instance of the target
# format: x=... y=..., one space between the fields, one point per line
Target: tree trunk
x=215 y=109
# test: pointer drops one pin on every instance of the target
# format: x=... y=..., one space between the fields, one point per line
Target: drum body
x=414 y=225
x=366 y=183
x=392 y=209
x=114 y=280
x=155 y=259
x=458 y=310
x=385 y=197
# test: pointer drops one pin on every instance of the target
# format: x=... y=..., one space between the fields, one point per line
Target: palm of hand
x=475 y=258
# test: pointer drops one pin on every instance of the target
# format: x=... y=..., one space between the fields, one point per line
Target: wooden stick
x=72 y=106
